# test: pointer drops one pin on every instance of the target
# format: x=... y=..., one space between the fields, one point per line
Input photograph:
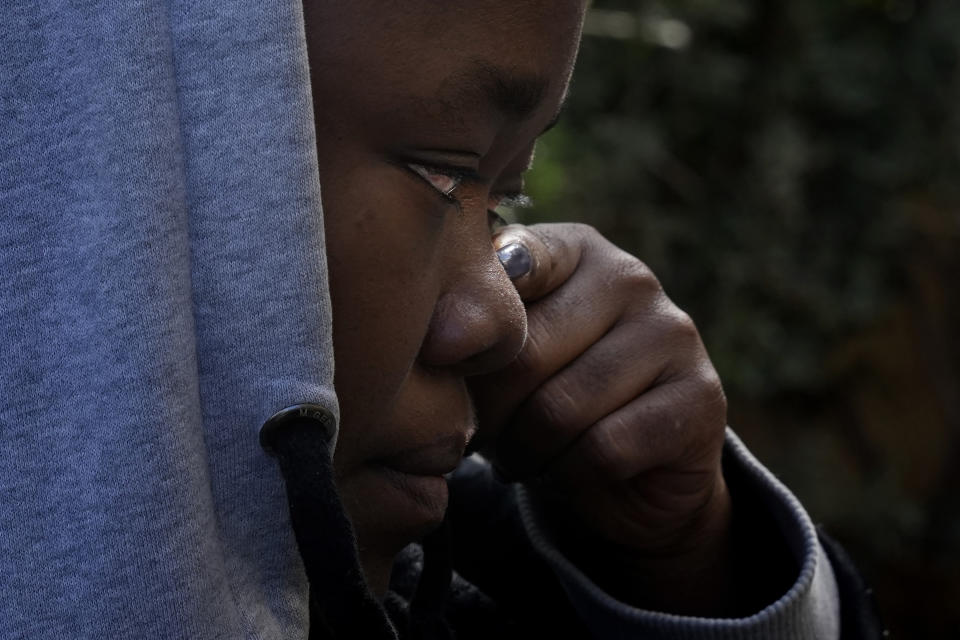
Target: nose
x=479 y=323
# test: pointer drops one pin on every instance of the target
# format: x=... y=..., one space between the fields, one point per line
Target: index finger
x=536 y=259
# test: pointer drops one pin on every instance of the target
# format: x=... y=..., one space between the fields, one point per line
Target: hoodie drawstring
x=341 y=604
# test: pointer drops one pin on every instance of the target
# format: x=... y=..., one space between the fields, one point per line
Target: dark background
x=791 y=171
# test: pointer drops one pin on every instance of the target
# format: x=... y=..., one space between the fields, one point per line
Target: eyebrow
x=512 y=92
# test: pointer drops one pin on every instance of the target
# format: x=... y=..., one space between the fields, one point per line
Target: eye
x=444 y=181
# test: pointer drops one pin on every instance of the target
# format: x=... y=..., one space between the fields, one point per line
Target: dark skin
x=589 y=383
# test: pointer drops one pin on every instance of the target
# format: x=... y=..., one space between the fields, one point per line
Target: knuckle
x=589 y=238
x=683 y=325
x=713 y=398
x=637 y=280
x=705 y=419
x=583 y=230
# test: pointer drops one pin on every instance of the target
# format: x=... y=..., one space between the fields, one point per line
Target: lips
x=396 y=490
x=436 y=459
x=415 y=478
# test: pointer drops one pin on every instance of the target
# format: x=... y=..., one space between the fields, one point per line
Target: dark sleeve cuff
x=810 y=609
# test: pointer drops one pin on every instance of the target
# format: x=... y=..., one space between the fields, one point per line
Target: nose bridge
x=479 y=323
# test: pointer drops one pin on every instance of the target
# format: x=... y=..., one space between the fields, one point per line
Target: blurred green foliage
x=791 y=171
x=761 y=168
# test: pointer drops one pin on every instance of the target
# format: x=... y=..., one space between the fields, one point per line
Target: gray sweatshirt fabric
x=163 y=292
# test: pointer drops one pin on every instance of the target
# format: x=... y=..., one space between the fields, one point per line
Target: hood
x=163 y=293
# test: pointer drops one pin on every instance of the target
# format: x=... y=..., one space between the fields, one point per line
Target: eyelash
x=459 y=175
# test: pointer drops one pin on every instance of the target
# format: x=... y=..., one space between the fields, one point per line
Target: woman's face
x=426 y=113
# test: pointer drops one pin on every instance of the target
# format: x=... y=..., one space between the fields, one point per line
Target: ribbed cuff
x=810 y=610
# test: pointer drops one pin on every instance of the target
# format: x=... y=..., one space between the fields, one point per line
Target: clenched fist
x=614 y=417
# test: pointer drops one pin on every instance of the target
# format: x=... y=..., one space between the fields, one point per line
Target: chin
x=390 y=509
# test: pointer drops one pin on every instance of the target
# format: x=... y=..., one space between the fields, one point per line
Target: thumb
x=538 y=259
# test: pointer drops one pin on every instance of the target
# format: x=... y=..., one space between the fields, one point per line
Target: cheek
x=384 y=284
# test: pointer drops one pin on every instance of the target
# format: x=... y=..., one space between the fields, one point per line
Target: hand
x=615 y=417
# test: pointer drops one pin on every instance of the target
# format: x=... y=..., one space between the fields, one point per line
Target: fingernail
x=515 y=259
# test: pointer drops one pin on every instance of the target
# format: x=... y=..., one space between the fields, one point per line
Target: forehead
x=418 y=24
x=452 y=54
